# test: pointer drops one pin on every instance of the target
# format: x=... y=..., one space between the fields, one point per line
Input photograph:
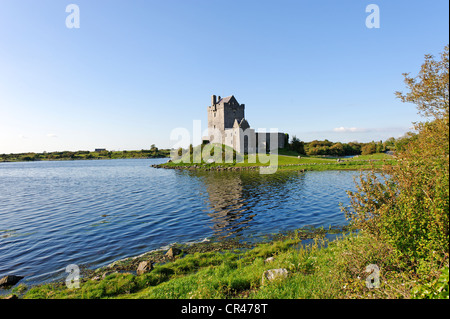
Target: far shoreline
x=80 y=159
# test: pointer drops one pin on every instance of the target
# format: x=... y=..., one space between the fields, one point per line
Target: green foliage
x=407 y=204
x=429 y=90
x=435 y=289
x=297 y=146
x=401 y=143
x=337 y=149
x=327 y=148
x=370 y=148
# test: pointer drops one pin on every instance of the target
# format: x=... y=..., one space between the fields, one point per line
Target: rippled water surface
x=53 y=214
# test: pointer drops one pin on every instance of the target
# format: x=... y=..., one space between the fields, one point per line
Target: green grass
x=336 y=270
x=286 y=162
x=377 y=156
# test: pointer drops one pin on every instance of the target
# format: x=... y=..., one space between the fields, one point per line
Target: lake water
x=53 y=214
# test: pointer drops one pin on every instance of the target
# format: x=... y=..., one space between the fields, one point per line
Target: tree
x=337 y=149
x=429 y=89
x=368 y=149
x=379 y=147
x=297 y=145
x=407 y=204
x=402 y=142
x=389 y=144
x=286 y=140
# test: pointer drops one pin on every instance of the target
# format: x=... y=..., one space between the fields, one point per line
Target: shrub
x=407 y=205
x=436 y=289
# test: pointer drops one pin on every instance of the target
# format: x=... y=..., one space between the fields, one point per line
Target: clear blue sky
x=137 y=69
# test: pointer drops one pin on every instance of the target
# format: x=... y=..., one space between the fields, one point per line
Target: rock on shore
x=273 y=274
x=144 y=267
x=10 y=280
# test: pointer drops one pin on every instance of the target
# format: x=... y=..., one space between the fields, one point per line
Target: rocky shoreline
x=221 y=168
x=234 y=168
x=144 y=263
x=206 y=167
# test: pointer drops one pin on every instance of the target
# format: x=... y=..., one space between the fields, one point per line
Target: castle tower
x=226 y=120
x=222 y=114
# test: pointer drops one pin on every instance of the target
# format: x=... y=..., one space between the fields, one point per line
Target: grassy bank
x=282 y=162
x=319 y=269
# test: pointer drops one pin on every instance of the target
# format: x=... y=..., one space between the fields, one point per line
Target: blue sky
x=136 y=70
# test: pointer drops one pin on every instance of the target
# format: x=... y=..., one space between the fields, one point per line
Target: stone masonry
x=227 y=125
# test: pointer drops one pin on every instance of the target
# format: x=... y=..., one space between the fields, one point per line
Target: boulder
x=172 y=252
x=10 y=280
x=144 y=267
x=268 y=260
x=274 y=274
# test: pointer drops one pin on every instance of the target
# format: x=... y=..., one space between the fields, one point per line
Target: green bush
x=437 y=289
x=407 y=205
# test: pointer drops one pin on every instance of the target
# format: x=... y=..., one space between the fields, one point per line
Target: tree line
x=328 y=148
x=153 y=152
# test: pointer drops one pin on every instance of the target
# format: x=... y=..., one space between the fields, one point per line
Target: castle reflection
x=234 y=199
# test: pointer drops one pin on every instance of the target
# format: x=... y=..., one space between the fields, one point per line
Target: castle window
x=214 y=114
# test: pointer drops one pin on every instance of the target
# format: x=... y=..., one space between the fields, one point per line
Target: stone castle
x=227 y=125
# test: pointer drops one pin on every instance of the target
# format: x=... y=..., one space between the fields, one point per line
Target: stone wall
x=270 y=140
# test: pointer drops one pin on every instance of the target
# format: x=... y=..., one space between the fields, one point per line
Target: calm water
x=53 y=214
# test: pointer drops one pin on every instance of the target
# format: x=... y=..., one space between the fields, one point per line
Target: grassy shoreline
x=285 y=162
x=204 y=253
x=316 y=268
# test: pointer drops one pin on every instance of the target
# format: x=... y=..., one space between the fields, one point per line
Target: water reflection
x=234 y=199
x=94 y=212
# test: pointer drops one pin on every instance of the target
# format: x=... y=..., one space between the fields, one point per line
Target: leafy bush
x=407 y=205
x=437 y=289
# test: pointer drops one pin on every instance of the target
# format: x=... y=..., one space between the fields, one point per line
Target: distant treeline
x=153 y=152
x=329 y=148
